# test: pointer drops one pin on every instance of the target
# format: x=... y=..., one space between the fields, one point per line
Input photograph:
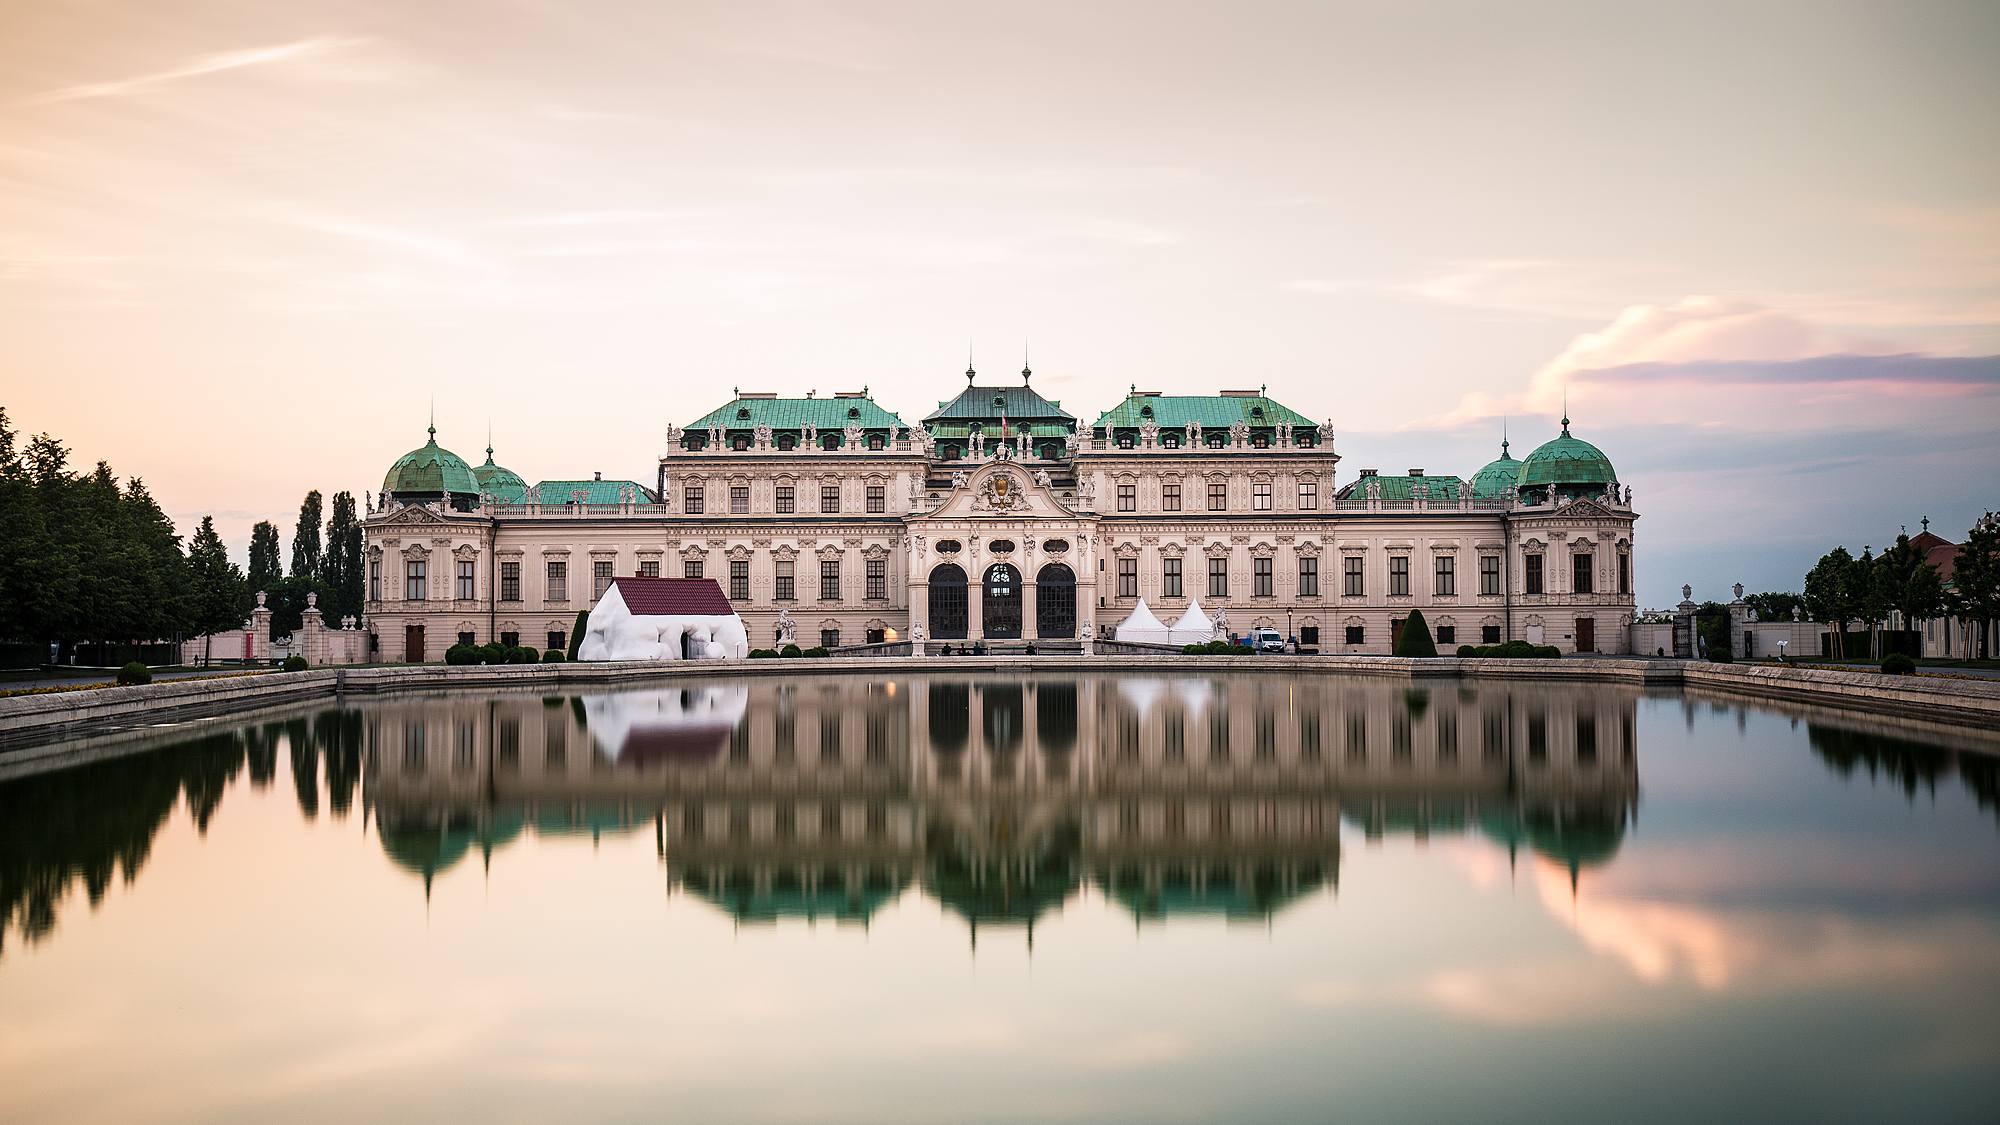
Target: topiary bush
x=1896 y=664
x=461 y=654
x=492 y=653
x=295 y=663
x=790 y=650
x=1548 y=652
x=1720 y=655
x=1467 y=650
x=816 y=650
x=1194 y=650
x=135 y=673
x=576 y=632
x=553 y=656
x=763 y=653
x=522 y=654
x=1416 y=640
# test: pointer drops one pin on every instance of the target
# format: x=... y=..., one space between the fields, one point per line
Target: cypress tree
x=305 y=538
x=264 y=548
x=1417 y=639
x=342 y=568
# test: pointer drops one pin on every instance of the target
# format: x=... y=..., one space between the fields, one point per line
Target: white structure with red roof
x=663 y=619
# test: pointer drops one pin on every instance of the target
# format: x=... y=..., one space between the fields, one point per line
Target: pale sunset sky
x=244 y=246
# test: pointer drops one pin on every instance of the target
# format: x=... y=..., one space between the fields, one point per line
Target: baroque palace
x=1001 y=517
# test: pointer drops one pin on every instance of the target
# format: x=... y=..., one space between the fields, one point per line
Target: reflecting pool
x=1231 y=898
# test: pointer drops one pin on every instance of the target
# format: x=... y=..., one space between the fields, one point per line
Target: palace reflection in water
x=826 y=799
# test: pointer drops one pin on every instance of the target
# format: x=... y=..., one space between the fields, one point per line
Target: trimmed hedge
x=522 y=654
x=1512 y=650
x=295 y=663
x=763 y=654
x=553 y=656
x=790 y=650
x=1720 y=655
x=576 y=632
x=135 y=673
x=816 y=650
x=1416 y=640
x=1896 y=664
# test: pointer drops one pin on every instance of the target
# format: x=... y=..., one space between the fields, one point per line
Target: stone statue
x=958 y=478
x=1074 y=441
x=715 y=437
x=1221 y=622
x=922 y=439
x=1042 y=478
x=1628 y=495
x=1464 y=490
x=674 y=436
x=1087 y=489
x=1739 y=591
x=1239 y=432
x=1284 y=433
x=1552 y=496
x=1149 y=431
x=917 y=633
x=811 y=437
x=1374 y=489
x=916 y=491
x=785 y=627
x=763 y=432
x=1089 y=630
x=1194 y=434
x=1687 y=593
x=853 y=433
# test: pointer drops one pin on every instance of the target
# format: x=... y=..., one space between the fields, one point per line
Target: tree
x=287 y=603
x=1416 y=639
x=1909 y=584
x=1773 y=607
x=1974 y=594
x=1872 y=596
x=264 y=548
x=305 y=538
x=342 y=567
x=1829 y=594
x=219 y=595
x=1711 y=624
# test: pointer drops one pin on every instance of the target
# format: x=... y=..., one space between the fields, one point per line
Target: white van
x=1265 y=640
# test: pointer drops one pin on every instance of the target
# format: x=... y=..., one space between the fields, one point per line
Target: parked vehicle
x=1265 y=640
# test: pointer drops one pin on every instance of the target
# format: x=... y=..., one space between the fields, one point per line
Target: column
x=1028 y=630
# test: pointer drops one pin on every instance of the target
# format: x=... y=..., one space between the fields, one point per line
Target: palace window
x=1170 y=578
x=878 y=499
x=1447 y=635
x=1624 y=574
x=691 y=568
x=739 y=579
x=1580 y=573
x=830 y=638
x=1355 y=633
x=1261 y=441
x=693 y=500
x=739 y=499
x=875 y=441
x=829 y=499
x=1447 y=576
x=785 y=499
x=1124 y=441
x=1170 y=497
x=829 y=580
x=1218 y=578
x=1399 y=575
x=1308 y=495
x=878 y=578
x=600 y=578
x=787 y=441
x=558 y=640
x=558 y=587
x=465 y=590
x=1128 y=578
x=1128 y=497
x=1260 y=578
x=1218 y=496
x=649 y=569
x=784 y=576
x=1489 y=634
x=1309 y=578
x=1532 y=574
x=739 y=443
x=1489 y=574
x=1216 y=440
x=375 y=580
x=413 y=582
x=1309 y=635
x=1260 y=496
x=510 y=582
x=1351 y=582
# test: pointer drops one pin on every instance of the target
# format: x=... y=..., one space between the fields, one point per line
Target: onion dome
x=1498 y=477
x=504 y=484
x=432 y=473
x=1574 y=466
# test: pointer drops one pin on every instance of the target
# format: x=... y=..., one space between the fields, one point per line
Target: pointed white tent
x=1194 y=627
x=1142 y=626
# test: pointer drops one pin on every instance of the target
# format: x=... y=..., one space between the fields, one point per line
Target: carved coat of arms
x=1002 y=493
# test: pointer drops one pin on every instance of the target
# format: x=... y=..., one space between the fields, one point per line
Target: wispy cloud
x=202 y=64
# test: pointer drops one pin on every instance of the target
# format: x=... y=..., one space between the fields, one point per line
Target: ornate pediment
x=875 y=551
x=828 y=552
x=1262 y=550
x=466 y=553
x=1001 y=491
x=738 y=552
x=1172 y=550
x=1583 y=509
x=1218 y=549
x=694 y=551
x=1309 y=548
x=1126 y=550
x=786 y=552
x=416 y=551
x=404 y=517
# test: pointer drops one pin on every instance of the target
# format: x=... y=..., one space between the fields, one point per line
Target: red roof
x=674 y=597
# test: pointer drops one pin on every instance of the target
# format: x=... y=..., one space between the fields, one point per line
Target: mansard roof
x=745 y=412
x=555 y=492
x=1404 y=487
x=1019 y=404
x=1210 y=412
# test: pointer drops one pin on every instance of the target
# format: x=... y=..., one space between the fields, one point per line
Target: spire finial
x=968 y=363
x=434 y=420
x=1503 y=437
x=1025 y=371
x=1926 y=521
x=1565 y=409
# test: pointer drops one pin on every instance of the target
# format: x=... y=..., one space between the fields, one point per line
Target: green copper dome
x=1498 y=477
x=1574 y=466
x=506 y=487
x=430 y=473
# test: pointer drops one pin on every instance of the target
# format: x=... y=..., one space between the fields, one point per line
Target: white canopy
x=1194 y=627
x=1142 y=626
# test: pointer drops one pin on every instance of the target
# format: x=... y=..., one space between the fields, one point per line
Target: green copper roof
x=506 y=487
x=432 y=469
x=797 y=413
x=1018 y=404
x=554 y=492
x=1403 y=488
x=1566 y=460
x=1498 y=477
x=1211 y=412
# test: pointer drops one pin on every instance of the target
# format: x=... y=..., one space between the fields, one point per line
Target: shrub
x=1193 y=650
x=763 y=653
x=1896 y=664
x=790 y=650
x=1549 y=652
x=522 y=654
x=576 y=632
x=1467 y=650
x=135 y=673
x=816 y=650
x=1417 y=639
x=1720 y=655
x=1240 y=650
x=295 y=663
x=492 y=653
x=461 y=654
x=553 y=656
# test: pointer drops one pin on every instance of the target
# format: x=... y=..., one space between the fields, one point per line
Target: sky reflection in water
x=1237 y=898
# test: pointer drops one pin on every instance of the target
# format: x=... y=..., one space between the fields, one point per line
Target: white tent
x=1142 y=626
x=1193 y=628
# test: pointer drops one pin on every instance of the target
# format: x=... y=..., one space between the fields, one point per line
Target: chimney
x=597 y=476
x=1368 y=472
x=1416 y=472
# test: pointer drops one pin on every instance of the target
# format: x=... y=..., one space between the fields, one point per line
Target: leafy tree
x=1773 y=607
x=1416 y=639
x=1711 y=624
x=1909 y=585
x=1974 y=594
x=1829 y=593
x=305 y=538
x=288 y=603
x=220 y=598
x=264 y=567
x=1873 y=597
x=342 y=567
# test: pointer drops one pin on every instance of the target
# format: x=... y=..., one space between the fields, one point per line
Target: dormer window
x=739 y=443
x=854 y=412
x=1216 y=441
x=874 y=441
x=1261 y=441
x=1124 y=441
x=1256 y=412
x=1171 y=441
x=787 y=441
x=1145 y=412
x=999 y=400
x=742 y=412
x=951 y=453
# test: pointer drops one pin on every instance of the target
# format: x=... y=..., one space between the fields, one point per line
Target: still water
x=1237 y=898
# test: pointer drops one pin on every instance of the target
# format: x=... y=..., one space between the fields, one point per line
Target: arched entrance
x=948 y=605
x=1055 y=602
x=1000 y=602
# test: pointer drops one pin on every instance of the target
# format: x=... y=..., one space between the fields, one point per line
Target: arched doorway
x=1000 y=602
x=948 y=605
x=1055 y=603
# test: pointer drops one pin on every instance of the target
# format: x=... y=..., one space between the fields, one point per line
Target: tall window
x=413 y=582
x=1218 y=496
x=693 y=500
x=1128 y=578
x=1447 y=576
x=600 y=578
x=829 y=638
x=465 y=582
x=786 y=500
x=1170 y=497
x=1489 y=574
x=1350 y=579
x=1260 y=578
x=878 y=499
x=691 y=568
x=1218 y=578
x=829 y=499
x=1260 y=496
x=739 y=579
x=649 y=569
x=878 y=578
x=1624 y=574
x=784 y=576
x=739 y=499
x=829 y=580
x=1128 y=497
x=1171 y=578
x=1308 y=494
x=558 y=587
x=1580 y=567
x=1309 y=578
x=510 y=582
x=375 y=580
x=1532 y=574
x=1399 y=575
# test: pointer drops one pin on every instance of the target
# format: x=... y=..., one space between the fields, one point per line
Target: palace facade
x=1004 y=518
